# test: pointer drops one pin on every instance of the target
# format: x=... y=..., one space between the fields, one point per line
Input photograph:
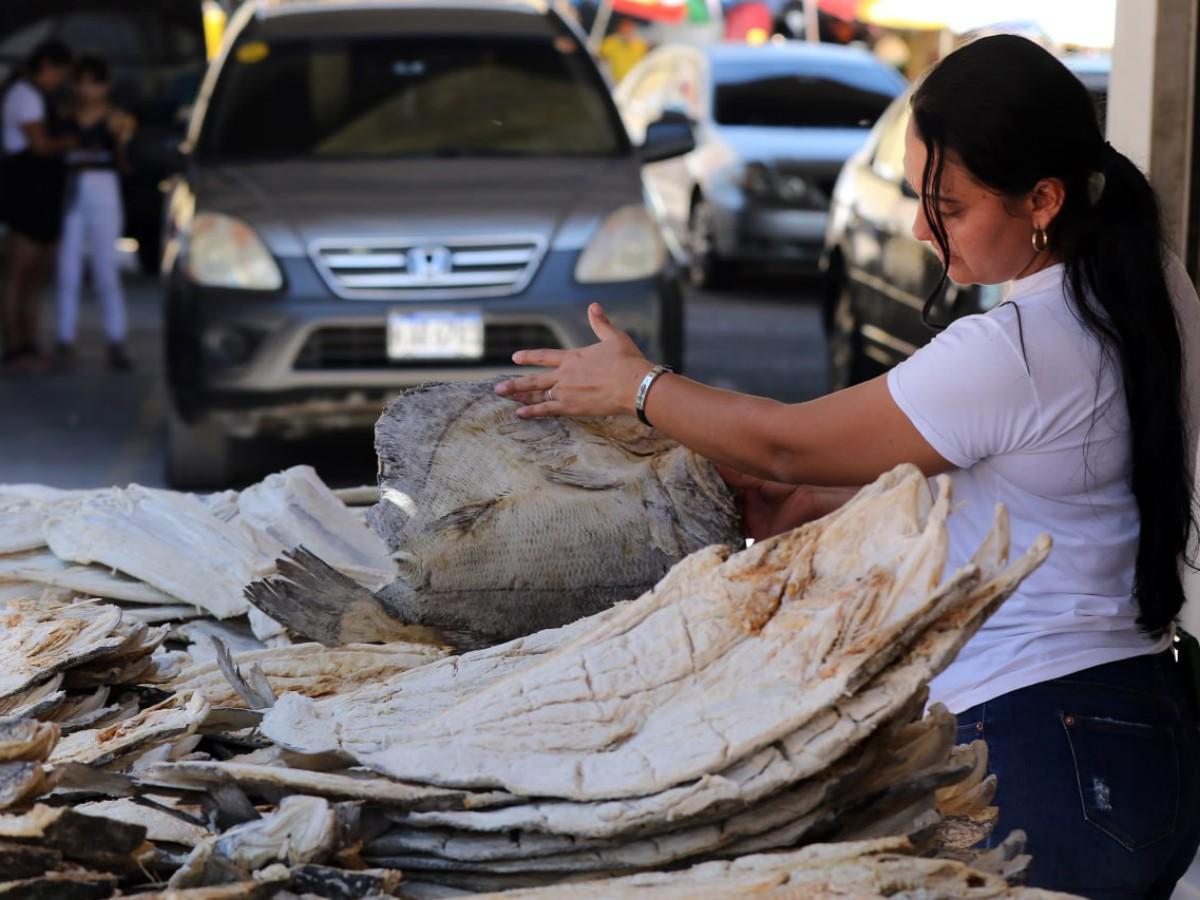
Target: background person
x=623 y=49
x=1075 y=403
x=31 y=187
x=93 y=216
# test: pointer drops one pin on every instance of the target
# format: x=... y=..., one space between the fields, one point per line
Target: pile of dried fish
x=167 y=557
x=752 y=702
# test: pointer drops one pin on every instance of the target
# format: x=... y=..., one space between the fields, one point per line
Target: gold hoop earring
x=1041 y=240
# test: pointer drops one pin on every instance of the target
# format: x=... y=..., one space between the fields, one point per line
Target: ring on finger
x=549 y=394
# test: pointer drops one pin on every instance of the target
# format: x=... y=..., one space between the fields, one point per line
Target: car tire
x=199 y=455
x=705 y=269
x=847 y=363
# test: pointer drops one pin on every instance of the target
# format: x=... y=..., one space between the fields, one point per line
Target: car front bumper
x=302 y=361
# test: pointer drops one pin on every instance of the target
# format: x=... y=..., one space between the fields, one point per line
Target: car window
x=365 y=97
x=889 y=154
x=797 y=93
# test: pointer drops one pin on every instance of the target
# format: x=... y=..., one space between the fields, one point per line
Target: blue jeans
x=1101 y=769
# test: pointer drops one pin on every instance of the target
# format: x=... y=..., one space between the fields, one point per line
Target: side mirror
x=668 y=137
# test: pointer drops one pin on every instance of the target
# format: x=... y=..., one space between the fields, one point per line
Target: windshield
x=375 y=97
x=802 y=94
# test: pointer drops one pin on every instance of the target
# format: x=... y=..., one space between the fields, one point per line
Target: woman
x=1073 y=403
x=32 y=200
x=93 y=216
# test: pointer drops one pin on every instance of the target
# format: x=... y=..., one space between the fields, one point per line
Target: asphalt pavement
x=91 y=427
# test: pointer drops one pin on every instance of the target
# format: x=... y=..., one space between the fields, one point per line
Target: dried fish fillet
x=36 y=644
x=169 y=541
x=160 y=825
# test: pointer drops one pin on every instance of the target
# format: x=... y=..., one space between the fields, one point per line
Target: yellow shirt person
x=622 y=50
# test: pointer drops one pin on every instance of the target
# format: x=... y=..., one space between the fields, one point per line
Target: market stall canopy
x=1085 y=23
x=665 y=10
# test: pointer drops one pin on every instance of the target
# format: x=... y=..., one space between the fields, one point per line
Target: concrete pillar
x=1152 y=107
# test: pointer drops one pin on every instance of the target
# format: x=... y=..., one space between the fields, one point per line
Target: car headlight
x=225 y=252
x=627 y=246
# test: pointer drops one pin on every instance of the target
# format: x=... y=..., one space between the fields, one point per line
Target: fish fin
x=467 y=517
x=314 y=600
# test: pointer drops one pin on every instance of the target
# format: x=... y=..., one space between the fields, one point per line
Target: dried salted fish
x=308 y=669
x=37 y=702
x=676 y=662
x=865 y=869
x=45 y=568
x=21 y=526
x=160 y=824
x=61 y=886
x=503 y=526
x=19 y=782
x=294 y=508
x=37 y=643
x=302 y=829
x=155 y=725
x=26 y=739
x=112 y=846
x=167 y=540
x=347 y=784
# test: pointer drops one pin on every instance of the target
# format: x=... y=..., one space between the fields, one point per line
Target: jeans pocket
x=1128 y=777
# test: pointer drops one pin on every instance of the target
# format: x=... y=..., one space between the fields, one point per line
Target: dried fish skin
x=502 y=526
x=160 y=825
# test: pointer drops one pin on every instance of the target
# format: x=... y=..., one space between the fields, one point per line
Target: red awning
x=843 y=9
x=652 y=10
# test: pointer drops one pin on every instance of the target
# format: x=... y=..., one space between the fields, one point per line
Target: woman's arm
x=846 y=438
x=42 y=143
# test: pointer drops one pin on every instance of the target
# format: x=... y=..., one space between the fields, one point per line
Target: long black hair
x=1013 y=115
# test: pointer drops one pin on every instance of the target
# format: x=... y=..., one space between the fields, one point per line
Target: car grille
x=428 y=269
x=365 y=347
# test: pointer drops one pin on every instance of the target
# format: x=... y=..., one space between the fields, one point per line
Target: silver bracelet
x=644 y=389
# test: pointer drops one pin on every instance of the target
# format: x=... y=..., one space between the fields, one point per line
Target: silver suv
x=384 y=193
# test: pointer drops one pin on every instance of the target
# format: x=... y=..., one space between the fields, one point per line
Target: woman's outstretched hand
x=769 y=508
x=599 y=380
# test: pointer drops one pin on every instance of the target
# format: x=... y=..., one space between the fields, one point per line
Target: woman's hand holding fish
x=599 y=380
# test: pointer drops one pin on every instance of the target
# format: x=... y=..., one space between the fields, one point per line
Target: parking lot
x=90 y=427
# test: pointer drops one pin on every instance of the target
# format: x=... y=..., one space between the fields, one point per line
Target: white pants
x=91 y=226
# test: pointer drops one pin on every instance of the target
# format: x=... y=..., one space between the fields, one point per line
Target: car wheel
x=705 y=268
x=198 y=455
x=847 y=364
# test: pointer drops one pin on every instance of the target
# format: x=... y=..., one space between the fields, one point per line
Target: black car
x=158 y=54
x=877 y=275
x=389 y=192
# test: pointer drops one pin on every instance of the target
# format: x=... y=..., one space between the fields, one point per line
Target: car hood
x=296 y=202
x=801 y=145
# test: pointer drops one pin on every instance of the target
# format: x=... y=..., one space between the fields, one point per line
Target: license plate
x=435 y=335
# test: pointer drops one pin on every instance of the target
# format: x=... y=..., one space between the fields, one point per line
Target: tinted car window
x=799 y=94
x=399 y=96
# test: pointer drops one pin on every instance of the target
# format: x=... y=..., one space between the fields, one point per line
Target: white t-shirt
x=1017 y=425
x=23 y=104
